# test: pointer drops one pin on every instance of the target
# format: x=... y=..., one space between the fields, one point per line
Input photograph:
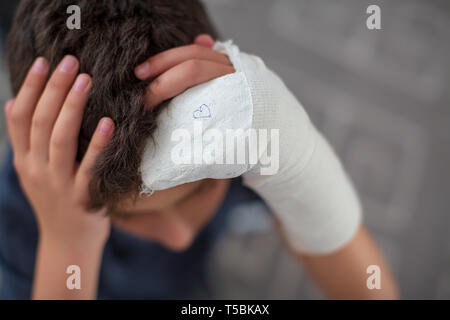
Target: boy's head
x=115 y=36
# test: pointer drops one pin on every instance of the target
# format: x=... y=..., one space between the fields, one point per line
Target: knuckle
x=193 y=68
x=155 y=85
x=193 y=65
x=58 y=142
x=34 y=174
x=31 y=83
x=57 y=84
x=71 y=102
x=38 y=122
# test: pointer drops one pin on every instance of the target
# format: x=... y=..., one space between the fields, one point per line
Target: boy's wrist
x=54 y=267
x=73 y=236
x=77 y=246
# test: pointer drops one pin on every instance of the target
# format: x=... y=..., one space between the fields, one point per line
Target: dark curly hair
x=115 y=36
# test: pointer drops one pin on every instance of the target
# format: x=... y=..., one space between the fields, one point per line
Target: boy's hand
x=43 y=124
x=178 y=69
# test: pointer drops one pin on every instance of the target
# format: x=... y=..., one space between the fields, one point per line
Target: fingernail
x=143 y=71
x=105 y=126
x=82 y=83
x=40 y=65
x=68 y=64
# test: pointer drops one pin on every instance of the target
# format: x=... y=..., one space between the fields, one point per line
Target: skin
x=178 y=217
x=43 y=124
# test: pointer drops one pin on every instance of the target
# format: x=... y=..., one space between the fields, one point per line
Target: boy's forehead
x=159 y=200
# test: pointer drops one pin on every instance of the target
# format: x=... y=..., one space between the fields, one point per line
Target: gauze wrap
x=221 y=104
x=310 y=194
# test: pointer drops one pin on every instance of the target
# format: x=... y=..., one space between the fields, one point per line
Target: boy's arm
x=43 y=125
x=343 y=273
x=311 y=195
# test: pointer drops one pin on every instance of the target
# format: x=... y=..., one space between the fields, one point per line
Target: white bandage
x=310 y=194
x=175 y=154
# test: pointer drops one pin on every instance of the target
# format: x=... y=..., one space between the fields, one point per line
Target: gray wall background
x=383 y=100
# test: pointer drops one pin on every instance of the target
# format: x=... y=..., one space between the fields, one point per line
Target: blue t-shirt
x=131 y=268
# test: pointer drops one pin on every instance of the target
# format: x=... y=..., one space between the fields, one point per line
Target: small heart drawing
x=202 y=113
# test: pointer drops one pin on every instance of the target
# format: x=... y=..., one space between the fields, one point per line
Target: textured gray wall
x=382 y=98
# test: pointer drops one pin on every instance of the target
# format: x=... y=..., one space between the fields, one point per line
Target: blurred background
x=382 y=97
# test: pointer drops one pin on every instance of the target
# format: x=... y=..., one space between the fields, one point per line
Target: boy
x=78 y=139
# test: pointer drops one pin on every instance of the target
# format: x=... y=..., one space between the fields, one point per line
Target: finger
x=64 y=139
x=183 y=76
x=99 y=141
x=170 y=58
x=49 y=106
x=19 y=117
x=204 y=40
